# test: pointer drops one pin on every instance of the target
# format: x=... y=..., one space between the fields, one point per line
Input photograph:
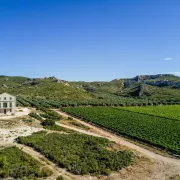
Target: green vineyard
x=170 y=111
x=80 y=154
x=100 y=100
x=160 y=132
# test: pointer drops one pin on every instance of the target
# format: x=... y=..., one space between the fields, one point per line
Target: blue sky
x=89 y=40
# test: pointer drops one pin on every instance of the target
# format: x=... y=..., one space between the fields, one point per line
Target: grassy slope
x=12 y=81
x=162 y=93
x=113 y=86
x=132 y=88
x=45 y=88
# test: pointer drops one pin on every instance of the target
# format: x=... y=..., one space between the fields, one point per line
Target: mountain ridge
x=160 y=86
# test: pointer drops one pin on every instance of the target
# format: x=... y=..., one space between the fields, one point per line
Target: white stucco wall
x=10 y=101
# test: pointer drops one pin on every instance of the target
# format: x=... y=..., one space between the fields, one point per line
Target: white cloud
x=168 y=59
x=175 y=73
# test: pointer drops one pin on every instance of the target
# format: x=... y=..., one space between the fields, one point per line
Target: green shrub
x=45 y=172
x=47 y=116
x=51 y=114
x=28 y=120
x=70 y=118
x=36 y=116
x=75 y=123
x=58 y=128
x=48 y=122
x=60 y=178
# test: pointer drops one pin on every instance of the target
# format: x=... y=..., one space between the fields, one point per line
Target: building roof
x=7 y=94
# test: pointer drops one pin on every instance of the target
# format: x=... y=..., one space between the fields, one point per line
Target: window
x=10 y=98
x=4 y=98
x=10 y=104
x=4 y=105
x=10 y=110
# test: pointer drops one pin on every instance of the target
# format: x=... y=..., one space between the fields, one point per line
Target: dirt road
x=166 y=167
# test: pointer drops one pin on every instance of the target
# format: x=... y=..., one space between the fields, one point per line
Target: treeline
x=120 y=101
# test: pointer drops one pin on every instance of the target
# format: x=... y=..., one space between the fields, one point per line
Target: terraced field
x=161 y=132
x=171 y=111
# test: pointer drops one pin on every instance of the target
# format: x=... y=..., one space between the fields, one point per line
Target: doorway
x=5 y=111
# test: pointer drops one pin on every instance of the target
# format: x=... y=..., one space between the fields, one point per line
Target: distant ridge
x=159 y=86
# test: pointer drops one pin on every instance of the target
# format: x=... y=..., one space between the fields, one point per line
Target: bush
x=52 y=114
x=36 y=116
x=47 y=116
x=70 y=118
x=45 y=172
x=60 y=178
x=58 y=128
x=48 y=122
x=75 y=123
x=28 y=120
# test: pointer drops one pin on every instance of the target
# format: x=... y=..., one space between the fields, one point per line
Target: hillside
x=162 y=87
x=154 y=87
x=41 y=88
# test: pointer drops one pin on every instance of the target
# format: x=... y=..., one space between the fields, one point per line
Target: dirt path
x=166 y=167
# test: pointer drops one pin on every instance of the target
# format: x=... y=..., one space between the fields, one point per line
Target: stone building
x=7 y=104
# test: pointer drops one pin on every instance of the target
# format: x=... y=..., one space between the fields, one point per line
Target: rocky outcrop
x=30 y=82
x=34 y=83
x=5 y=86
x=62 y=81
x=163 y=83
x=52 y=77
x=141 y=78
